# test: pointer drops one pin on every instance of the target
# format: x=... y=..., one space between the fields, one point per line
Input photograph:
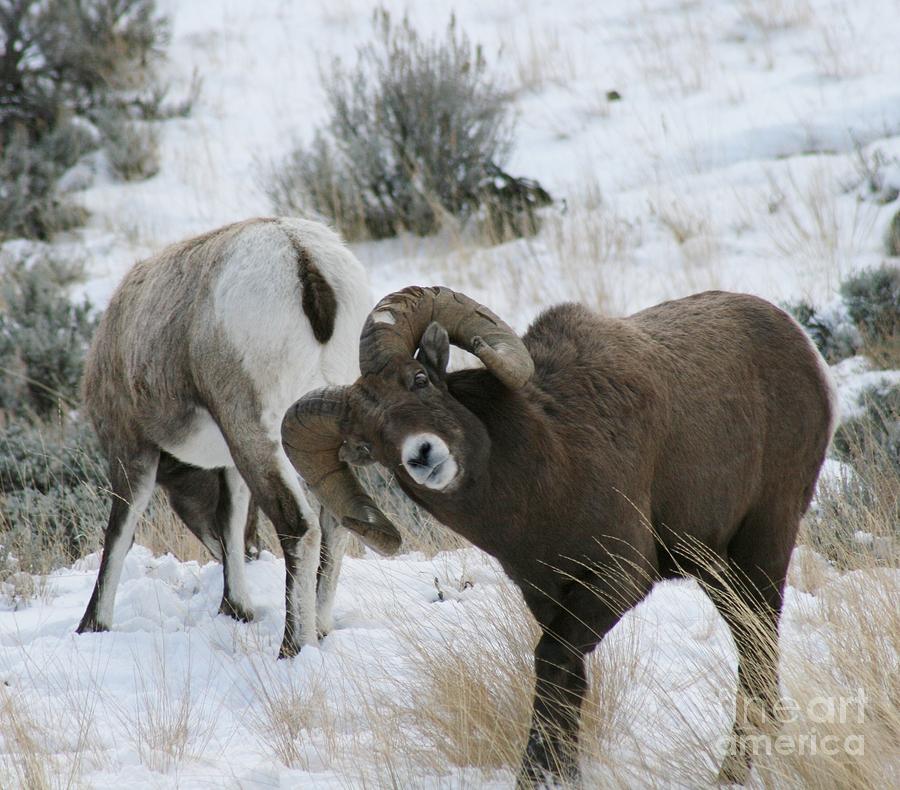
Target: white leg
x=235 y=598
x=301 y=563
x=334 y=545
x=130 y=499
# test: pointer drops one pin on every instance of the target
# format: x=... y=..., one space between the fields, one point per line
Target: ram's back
x=702 y=406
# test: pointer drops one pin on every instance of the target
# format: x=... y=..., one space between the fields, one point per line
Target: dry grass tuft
x=172 y=720
x=474 y=706
x=771 y=16
x=808 y=223
x=23 y=761
x=48 y=743
x=290 y=714
x=540 y=58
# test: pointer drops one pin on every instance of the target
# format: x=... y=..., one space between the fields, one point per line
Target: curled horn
x=310 y=432
x=398 y=321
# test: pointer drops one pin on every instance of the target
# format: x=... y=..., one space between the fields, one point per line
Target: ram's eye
x=420 y=380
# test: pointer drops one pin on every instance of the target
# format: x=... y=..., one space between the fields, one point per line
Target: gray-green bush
x=872 y=298
x=867 y=320
x=52 y=500
x=63 y=64
x=417 y=129
x=43 y=334
x=875 y=429
x=52 y=474
x=858 y=513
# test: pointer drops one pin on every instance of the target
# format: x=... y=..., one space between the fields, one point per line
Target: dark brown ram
x=590 y=446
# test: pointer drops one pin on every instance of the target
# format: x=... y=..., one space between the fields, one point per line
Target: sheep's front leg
x=551 y=751
x=334 y=544
x=232 y=520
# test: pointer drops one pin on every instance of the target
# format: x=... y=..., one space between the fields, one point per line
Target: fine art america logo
x=816 y=729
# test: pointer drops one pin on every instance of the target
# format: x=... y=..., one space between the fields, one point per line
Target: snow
x=731 y=161
x=745 y=133
x=854 y=377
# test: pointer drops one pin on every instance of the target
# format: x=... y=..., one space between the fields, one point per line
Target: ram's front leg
x=571 y=629
x=552 y=749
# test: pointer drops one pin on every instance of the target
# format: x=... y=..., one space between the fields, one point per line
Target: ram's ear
x=434 y=350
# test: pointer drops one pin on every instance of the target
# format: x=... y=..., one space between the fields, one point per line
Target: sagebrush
x=418 y=129
x=65 y=66
x=866 y=320
x=44 y=334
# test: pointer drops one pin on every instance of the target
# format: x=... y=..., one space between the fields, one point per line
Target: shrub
x=52 y=501
x=416 y=129
x=876 y=430
x=832 y=332
x=30 y=203
x=63 y=64
x=73 y=56
x=43 y=335
x=873 y=301
x=857 y=514
x=132 y=148
x=893 y=236
x=867 y=319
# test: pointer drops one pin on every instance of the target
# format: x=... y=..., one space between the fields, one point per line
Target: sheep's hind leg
x=334 y=544
x=194 y=496
x=212 y=503
x=275 y=487
x=132 y=483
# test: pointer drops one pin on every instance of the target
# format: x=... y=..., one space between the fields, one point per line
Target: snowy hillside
x=739 y=156
x=732 y=159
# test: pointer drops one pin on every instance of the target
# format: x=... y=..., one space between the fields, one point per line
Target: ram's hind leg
x=334 y=544
x=132 y=478
x=749 y=596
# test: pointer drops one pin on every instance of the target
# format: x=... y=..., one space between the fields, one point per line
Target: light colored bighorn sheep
x=199 y=353
x=592 y=457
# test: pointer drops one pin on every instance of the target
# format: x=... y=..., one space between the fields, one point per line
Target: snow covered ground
x=735 y=159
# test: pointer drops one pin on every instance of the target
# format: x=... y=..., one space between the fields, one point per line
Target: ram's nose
x=428 y=460
x=421 y=454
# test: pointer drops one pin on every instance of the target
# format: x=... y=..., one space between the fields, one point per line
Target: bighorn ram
x=590 y=448
x=199 y=353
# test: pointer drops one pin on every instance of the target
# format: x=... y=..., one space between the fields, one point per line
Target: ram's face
x=404 y=418
x=400 y=411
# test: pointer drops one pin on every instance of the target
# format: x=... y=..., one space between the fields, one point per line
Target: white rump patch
x=384 y=317
x=428 y=461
